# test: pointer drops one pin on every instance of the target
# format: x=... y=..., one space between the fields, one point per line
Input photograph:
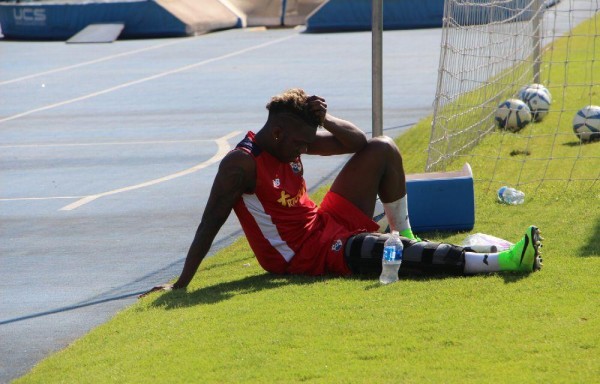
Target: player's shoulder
x=239 y=158
x=242 y=164
x=249 y=146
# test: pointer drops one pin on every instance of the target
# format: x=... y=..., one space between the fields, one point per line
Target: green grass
x=237 y=323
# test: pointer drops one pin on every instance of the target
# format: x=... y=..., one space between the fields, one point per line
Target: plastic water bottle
x=508 y=195
x=392 y=258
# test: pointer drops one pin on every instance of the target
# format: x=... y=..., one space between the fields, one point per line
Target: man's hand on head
x=318 y=105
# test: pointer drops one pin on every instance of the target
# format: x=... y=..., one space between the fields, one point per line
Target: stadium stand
x=355 y=15
x=60 y=20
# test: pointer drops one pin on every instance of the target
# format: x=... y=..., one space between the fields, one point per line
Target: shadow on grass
x=427 y=276
x=409 y=274
x=226 y=290
x=578 y=143
x=252 y=284
x=592 y=247
x=513 y=277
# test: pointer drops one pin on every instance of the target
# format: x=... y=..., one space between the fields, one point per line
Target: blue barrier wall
x=55 y=21
x=355 y=15
x=61 y=21
x=142 y=18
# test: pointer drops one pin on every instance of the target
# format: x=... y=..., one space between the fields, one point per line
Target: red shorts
x=323 y=252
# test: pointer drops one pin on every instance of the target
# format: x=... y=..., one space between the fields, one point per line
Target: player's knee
x=382 y=141
x=384 y=144
x=363 y=253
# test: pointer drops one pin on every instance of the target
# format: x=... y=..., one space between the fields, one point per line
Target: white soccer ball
x=512 y=115
x=586 y=123
x=538 y=102
x=380 y=218
x=535 y=86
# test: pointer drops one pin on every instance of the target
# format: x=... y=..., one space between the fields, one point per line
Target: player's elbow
x=359 y=141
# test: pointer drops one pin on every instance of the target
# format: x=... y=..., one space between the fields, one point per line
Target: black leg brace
x=363 y=254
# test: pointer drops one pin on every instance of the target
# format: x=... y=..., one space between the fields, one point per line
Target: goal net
x=490 y=50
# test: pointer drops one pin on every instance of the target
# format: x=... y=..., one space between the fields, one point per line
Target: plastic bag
x=480 y=242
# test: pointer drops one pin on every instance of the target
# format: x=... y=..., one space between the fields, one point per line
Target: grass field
x=237 y=323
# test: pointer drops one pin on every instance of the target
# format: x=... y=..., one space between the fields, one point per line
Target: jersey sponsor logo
x=276 y=183
x=337 y=245
x=289 y=201
x=296 y=166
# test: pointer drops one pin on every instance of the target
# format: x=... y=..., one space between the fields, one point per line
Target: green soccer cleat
x=524 y=256
x=408 y=233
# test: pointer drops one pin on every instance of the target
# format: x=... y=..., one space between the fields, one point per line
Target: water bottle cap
x=396 y=233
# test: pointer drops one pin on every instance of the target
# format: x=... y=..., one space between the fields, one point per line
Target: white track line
x=107 y=143
x=222 y=151
x=83 y=64
x=145 y=79
x=41 y=198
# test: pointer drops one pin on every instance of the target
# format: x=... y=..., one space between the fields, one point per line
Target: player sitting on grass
x=262 y=181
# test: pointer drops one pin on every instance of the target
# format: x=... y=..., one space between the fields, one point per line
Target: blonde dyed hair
x=294 y=101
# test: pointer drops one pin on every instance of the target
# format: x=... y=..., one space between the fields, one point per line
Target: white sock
x=481 y=262
x=397 y=214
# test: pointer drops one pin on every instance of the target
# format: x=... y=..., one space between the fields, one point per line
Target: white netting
x=492 y=48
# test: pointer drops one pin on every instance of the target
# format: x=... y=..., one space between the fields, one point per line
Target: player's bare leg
x=377 y=170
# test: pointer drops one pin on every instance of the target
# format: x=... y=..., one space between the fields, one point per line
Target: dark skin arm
x=236 y=175
x=339 y=137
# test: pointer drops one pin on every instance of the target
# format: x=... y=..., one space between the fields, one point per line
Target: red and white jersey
x=278 y=216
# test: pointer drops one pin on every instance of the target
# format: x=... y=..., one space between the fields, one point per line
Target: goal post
x=490 y=49
x=377 y=66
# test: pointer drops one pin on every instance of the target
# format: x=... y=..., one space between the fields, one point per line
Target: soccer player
x=261 y=180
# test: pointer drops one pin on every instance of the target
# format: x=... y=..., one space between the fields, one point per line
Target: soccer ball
x=586 y=123
x=380 y=218
x=538 y=87
x=537 y=100
x=513 y=115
